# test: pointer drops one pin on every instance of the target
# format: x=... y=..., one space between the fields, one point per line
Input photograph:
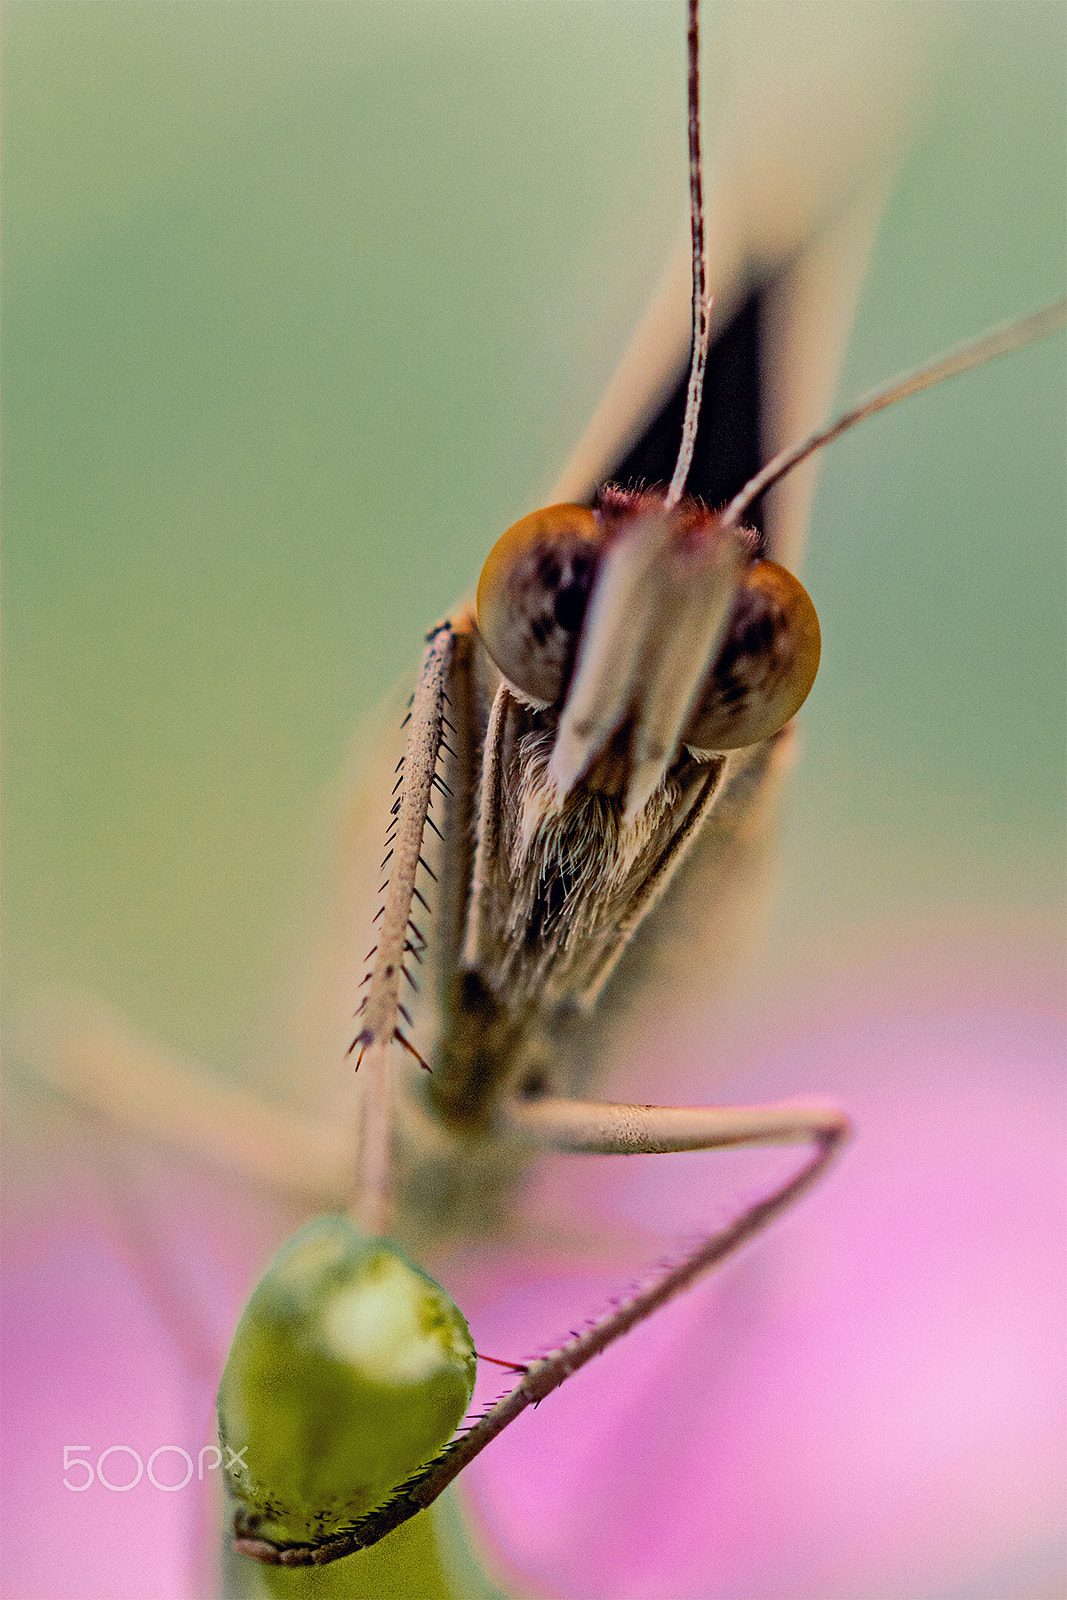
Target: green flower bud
x=349 y=1370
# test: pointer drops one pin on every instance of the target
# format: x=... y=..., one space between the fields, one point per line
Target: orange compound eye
x=765 y=667
x=532 y=596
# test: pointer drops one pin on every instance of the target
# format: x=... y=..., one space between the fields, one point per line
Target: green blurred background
x=305 y=302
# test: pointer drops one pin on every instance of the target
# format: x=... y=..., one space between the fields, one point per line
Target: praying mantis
x=927 y=348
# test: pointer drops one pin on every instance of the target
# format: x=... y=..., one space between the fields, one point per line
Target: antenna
x=701 y=303
x=999 y=341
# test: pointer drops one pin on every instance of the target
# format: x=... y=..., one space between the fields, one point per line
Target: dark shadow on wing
x=728 y=439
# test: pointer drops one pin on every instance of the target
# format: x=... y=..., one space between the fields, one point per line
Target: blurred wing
x=800 y=147
x=785 y=279
x=779 y=331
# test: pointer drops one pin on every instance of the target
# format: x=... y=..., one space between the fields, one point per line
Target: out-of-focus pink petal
x=124 y=1276
x=867 y=1402
x=863 y=1405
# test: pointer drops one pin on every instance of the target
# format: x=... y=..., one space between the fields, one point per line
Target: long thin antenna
x=701 y=303
x=999 y=341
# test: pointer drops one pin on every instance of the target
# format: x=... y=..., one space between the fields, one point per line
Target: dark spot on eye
x=574 y=594
x=541 y=628
x=570 y=608
x=726 y=663
x=730 y=692
x=533 y=1086
x=757 y=636
x=548 y=571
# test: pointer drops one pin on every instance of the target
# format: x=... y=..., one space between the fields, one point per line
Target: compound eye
x=765 y=667
x=532 y=596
